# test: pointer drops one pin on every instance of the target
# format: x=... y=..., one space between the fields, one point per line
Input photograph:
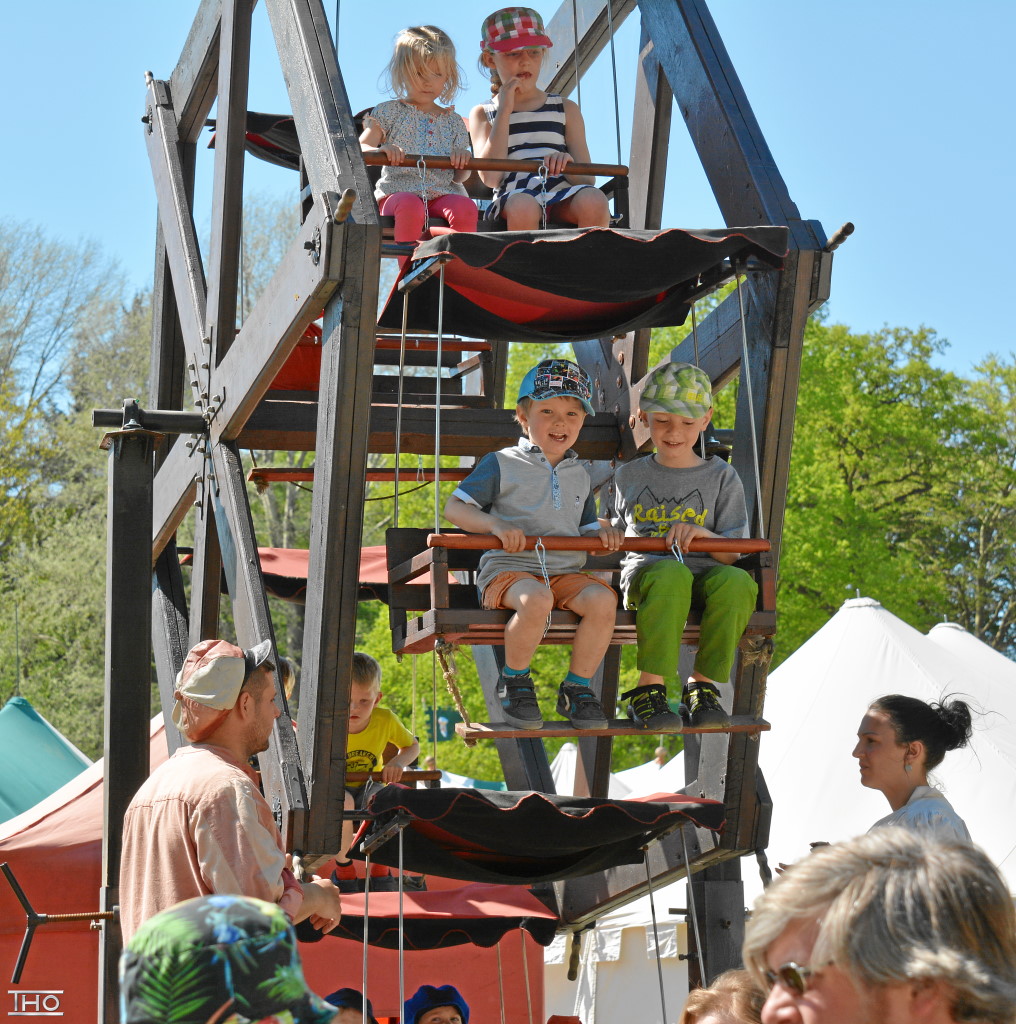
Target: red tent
x=55 y=851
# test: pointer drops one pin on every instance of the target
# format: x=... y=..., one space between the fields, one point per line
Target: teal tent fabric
x=35 y=759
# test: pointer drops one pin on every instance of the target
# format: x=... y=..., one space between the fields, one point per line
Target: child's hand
x=681 y=533
x=459 y=158
x=611 y=537
x=556 y=163
x=391 y=772
x=396 y=154
x=512 y=538
x=506 y=95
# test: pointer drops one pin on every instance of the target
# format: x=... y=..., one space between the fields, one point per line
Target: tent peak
x=860 y=602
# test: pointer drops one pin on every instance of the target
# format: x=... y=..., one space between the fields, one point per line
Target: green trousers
x=663 y=592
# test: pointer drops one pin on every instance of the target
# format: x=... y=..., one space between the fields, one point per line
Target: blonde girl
x=423 y=75
x=522 y=122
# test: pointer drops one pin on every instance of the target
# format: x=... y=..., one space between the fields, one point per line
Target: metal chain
x=543 y=172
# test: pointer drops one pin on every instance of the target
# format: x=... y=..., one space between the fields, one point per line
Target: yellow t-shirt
x=364 y=750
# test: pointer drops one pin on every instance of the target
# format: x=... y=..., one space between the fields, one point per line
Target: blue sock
x=576 y=680
x=509 y=672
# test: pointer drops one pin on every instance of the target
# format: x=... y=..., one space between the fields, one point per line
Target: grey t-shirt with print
x=650 y=498
x=519 y=486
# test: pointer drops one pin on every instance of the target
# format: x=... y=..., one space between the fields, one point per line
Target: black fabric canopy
x=476 y=914
x=569 y=285
x=494 y=836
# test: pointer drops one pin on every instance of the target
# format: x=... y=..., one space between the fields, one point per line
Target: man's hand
x=321 y=898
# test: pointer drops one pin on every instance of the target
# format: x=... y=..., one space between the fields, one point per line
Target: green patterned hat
x=678 y=388
x=230 y=959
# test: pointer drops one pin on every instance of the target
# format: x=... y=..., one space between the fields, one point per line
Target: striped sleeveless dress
x=533 y=134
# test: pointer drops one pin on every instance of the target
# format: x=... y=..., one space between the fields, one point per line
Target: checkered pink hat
x=513 y=28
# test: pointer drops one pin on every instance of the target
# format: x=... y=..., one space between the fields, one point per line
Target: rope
x=525 y=971
x=575 y=54
x=613 y=75
x=656 y=932
x=751 y=408
x=500 y=981
x=446 y=655
x=437 y=401
x=398 y=404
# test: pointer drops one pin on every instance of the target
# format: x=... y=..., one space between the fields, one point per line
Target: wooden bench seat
x=420 y=615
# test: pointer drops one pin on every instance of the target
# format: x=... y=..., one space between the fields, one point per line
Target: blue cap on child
x=554 y=378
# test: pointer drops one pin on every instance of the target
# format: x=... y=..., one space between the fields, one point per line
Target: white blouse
x=929 y=813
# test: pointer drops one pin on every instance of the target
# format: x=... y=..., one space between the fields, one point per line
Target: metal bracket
x=313 y=247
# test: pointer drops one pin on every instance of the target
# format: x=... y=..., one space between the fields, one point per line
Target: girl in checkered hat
x=423 y=74
x=522 y=122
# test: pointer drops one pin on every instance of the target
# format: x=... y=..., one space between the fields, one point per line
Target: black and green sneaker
x=517 y=695
x=704 y=708
x=648 y=708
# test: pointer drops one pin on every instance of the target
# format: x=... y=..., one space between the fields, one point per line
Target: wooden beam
x=227 y=180
x=281 y=425
x=329 y=141
x=336 y=527
x=173 y=191
x=304 y=281
x=170 y=634
x=291 y=300
x=281 y=778
x=206 y=577
x=650 y=138
x=745 y=180
x=194 y=78
x=174 y=488
x=558 y=74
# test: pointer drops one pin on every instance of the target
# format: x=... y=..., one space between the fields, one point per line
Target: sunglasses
x=791 y=976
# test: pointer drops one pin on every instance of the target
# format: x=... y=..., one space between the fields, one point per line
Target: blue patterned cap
x=554 y=378
x=226 y=958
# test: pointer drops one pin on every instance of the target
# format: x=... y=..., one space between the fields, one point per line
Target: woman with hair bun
x=899 y=741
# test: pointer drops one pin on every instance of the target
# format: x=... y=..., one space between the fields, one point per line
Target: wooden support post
x=206 y=576
x=336 y=526
x=128 y=670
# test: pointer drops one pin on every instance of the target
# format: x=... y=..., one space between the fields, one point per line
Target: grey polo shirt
x=519 y=486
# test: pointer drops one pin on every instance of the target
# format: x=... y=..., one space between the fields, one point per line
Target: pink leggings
x=407 y=209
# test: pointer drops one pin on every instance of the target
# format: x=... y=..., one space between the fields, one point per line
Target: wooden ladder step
x=561 y=728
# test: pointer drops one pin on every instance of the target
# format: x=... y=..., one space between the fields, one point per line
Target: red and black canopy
x=570 y=285
x=517 y=838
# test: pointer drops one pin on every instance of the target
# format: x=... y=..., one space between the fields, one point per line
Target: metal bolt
x=620 y=381
x=620 y=358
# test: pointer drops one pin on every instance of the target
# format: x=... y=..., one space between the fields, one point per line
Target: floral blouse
x=437 y=134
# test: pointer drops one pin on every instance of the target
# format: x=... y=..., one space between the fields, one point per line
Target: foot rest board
x=557 y=728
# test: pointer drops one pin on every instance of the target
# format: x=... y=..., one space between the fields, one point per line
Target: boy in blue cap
x=436 y=1004
x=678 y=495
x=539 y=487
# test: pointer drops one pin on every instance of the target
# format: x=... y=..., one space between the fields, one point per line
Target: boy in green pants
x=679 y=496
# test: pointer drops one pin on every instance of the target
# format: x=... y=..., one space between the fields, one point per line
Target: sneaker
x=704 y=708
x=579 y=705
x=414 y=883
x=648 y=709
x=518 y=701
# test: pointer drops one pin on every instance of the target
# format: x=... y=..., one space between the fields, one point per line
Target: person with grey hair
x=891 y=927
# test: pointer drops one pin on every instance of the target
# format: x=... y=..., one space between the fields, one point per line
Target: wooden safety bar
x=409 y=775
x=262 y=476
x=486 y=541
x=377 y=159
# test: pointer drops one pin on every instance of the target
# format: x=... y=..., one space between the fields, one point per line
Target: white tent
x=618 y=972
x=816 y=699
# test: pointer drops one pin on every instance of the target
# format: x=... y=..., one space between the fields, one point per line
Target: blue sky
x=891 y=114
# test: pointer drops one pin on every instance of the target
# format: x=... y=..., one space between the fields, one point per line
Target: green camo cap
x=678 y=388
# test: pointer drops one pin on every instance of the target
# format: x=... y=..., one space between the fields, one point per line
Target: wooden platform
x=561 y=728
